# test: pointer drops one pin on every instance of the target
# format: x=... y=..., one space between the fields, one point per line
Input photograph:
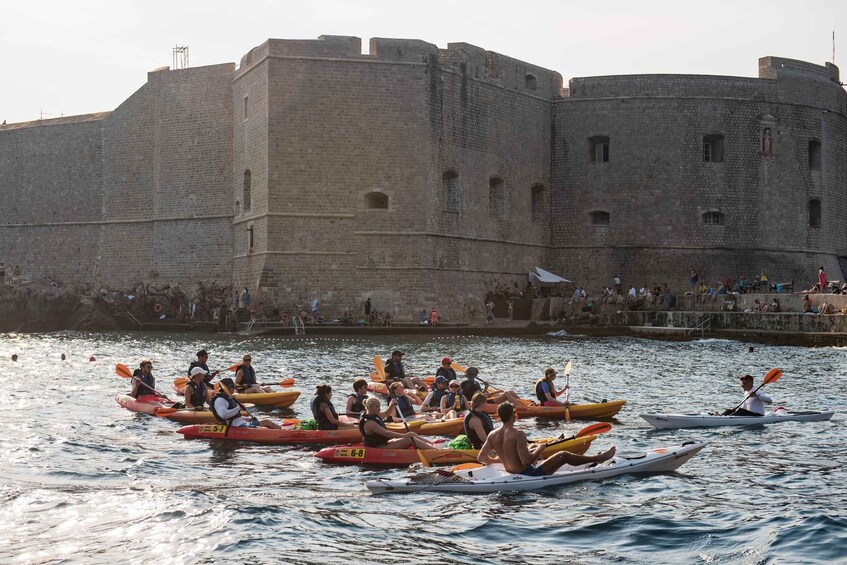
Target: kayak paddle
x=285 y=383
x=772 y=376
x=380 y=368
x=568 y=369
x=123 y=371
x=393 y=397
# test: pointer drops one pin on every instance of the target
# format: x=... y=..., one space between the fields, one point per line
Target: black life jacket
x=446 y=372
x=405 y=406
x=454 y=398
x=320 y=417
x=540 y=393
x=487 y=425
x=249 y=376
x=394 y=370
x=372 y=440
x=359 y=404
x=198 y=394
x=470 y=387
x=150 y=381
x=208 y=377
x=231 y=404
x=437 y=394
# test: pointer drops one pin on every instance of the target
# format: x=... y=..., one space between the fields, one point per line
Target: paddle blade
x=234 y=367
x=380 y=367
x=162 y=412
x=424 y=461
x=594 y=429
x=429 y=380
x=123 y=371
x=569 y=368
x=285 y=383
x=466 y=466
x=772 y=376
x=181 y=381
x=458 y=368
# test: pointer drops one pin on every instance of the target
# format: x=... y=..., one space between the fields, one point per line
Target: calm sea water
x=84 y=480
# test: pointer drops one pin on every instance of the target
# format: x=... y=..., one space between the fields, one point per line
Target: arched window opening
x=452 y=191
x=598 y=149
x=531 y=81
x=814 y=155
x=376 y=200
x=713 y=218
x=600 y=218
x=537 y=193
x=814 y=213
x=713 y=148
x=245 y=199
x=496 y=197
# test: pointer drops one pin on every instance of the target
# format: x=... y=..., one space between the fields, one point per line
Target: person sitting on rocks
x=826 y=308
x=774 y=306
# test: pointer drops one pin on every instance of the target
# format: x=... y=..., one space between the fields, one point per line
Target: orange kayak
x=598 y=411
x=282 y=399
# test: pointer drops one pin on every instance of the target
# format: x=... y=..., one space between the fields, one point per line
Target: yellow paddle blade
x=424 y=461
x=179 y=381
x=123 y=371
x=380 y=367
x=466 y=466
x=458 y=368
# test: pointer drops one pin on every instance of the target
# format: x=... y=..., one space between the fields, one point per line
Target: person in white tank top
x=754 y=402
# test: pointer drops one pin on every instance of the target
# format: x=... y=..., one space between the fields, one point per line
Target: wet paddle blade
x=123 y=371
x=594 y=429
x=429 y=380
x=234 y=367
x=772 y=376
x=569 y=368
x=380 y=368
x=162 y=412
x=181 y=381
x=458 y=368
x=466 y=466
x=285 y=383
x=424 y=461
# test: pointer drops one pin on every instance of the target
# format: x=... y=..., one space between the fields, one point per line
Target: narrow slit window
x=245 y=107
x=713 y=148
x=598 y=149
x=814 y=155
x=496 y=198
x=452 y=191
x=814 y=213
x=537 y=203
x=250 y=238
x=246 y=196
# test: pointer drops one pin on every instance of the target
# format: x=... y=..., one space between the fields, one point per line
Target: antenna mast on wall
x=180 y=54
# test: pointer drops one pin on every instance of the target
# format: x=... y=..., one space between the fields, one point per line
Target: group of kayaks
x=345 y=447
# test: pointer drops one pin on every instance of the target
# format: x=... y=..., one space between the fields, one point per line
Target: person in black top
x=471 y=386
x=356 y=401
x=445 y=370
x=324 y=412
x=478 y=424
x=432 y=402
x=196 y=390
x=202 y=359
x=374 y=433
x=394 y=371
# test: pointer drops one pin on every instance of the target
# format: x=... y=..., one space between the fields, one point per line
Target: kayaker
x=374 y=433
x=324 y=412
x=245 y=377
x=478 y=424
x=546 y=392
x=454 y=404
x=395 y=371
x=754 y=402
x=513 y=452
x=202 y=359
x=356 y=401
x=143 y=382
x=470 y=386
x=227 y=411
x=445 y=370
x=196 y=390
x=400 y=402
x=432 y=402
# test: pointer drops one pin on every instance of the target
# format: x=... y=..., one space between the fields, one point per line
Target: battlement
x=622 y=86
x=779 y=67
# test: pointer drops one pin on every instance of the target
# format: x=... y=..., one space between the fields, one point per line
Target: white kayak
x=673 y=421
x=493 y=478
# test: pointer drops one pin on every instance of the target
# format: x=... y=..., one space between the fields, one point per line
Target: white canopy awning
x=547 y=277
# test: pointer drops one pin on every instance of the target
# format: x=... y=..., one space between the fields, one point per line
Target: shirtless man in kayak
x=513 y=451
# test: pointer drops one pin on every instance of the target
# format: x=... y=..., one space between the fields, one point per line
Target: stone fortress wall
x=421 y=177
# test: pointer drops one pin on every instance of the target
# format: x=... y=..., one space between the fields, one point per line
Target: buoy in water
x=92 y=359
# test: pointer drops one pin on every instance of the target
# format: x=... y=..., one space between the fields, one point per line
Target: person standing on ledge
x=368 y=307
x=754 y=402
x=822 y=282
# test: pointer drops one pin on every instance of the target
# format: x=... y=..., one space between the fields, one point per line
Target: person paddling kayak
x=513 y=451
x=432 y=402
x=546 y=392
x=356 y=401
x=478 y=424
x=454 y=404
x=395 y=371
x=196 y=390
x=754 y=401
x=324 y=412
x=245 y=377
x=374 y=433
x=143 y=381
x=471 y=386
x=202 y=359
x=227 y=411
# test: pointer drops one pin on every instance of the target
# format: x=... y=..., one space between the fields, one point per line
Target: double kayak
x=494 y=478
x=675 y=421
x=289 y=434
x=358 y=454
x=590 y=411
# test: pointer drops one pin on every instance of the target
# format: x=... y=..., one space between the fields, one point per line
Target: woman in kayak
x=546 y=392
x=513 y=451
x=478 y=424
x=374 y=433
x=245 y=378
x=324 y=412
x=454 y=404
x=356 y=401
x=196 y=389
x=227 y=410
x=754 y=402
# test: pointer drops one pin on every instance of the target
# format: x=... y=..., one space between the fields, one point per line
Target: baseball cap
x=446 y=360
x=198 y=371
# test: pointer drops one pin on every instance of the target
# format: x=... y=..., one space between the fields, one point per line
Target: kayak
x=192 y=416
x=145 y=404
x=381 y=388
x=598 y=411
x=358 y=454
x=493 y=478
x=282 y=399
x=674 y=421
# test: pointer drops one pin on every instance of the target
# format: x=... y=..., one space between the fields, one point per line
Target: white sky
x=67 y=57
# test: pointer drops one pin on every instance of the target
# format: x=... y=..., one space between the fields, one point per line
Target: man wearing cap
x=445 y=370
x=754 y=401
x=394 y=371
x=202 y=359
x=196 y=390
x=227 y=410
x=432 y=402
